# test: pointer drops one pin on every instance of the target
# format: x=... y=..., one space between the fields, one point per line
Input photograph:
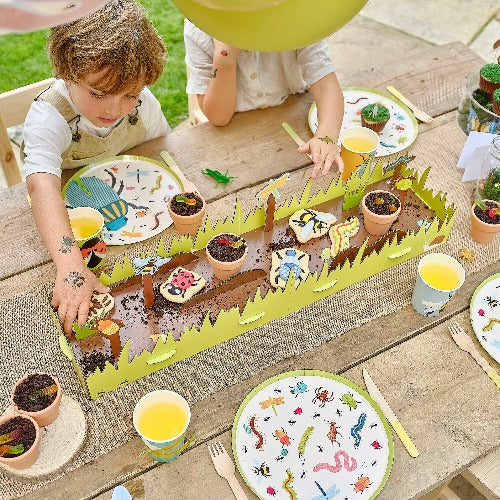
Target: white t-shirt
x=47 y=135
x=262 y=78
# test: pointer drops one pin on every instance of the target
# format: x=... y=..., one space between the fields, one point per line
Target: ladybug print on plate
x=181 y=285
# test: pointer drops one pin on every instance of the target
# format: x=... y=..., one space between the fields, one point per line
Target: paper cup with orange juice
x=87 y=224
x=357 y=144
x=438 y=279
x=161 y=418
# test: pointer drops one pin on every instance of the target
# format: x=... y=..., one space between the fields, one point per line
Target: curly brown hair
x=118 y=38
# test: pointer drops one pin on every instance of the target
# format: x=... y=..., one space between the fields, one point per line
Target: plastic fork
x=466 y=344
x=419 y=114
x=225 y=468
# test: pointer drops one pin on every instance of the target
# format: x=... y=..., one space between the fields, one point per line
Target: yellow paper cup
x=356 y=145
x=168 y=448
x=87 y=224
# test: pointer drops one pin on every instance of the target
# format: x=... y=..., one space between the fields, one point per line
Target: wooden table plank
x=253 y=146
x=214 y=415
x=448 y=413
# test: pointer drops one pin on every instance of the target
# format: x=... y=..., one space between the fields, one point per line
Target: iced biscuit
x=308 y=224
x=181 y=285
x=288 y=261
x=340 y=234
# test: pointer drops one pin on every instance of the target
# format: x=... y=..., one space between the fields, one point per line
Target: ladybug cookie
x=181 y=285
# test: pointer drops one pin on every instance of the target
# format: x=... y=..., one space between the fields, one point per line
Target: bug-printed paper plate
x=312 y=435
x=399 y=132
x=485 y=315
x=131 y=192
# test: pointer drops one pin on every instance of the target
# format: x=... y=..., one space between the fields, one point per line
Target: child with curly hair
x=98 y=107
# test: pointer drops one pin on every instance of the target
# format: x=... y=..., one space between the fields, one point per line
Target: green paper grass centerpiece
x=380 y=209
x=226 y=253
x=485 y=220
x=187 y=211
x=39 y=396
x=20 y=441
x=496 y=102
x=375 y=116
x=489 y=77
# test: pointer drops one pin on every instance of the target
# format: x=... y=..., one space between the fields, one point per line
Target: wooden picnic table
x=446 y=403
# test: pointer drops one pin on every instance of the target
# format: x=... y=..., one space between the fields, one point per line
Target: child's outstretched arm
x=323 y=146
x=219 y=103
x=74 y=282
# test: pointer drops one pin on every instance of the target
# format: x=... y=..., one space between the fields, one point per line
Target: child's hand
x=324 y=152
x=72 y=293
x=222 y=49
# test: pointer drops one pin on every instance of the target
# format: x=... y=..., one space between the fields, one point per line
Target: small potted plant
x=226 y=253
x=187 y=211
x=19 y=441
x=485 y=220
x=380 y=209
x=39 y=396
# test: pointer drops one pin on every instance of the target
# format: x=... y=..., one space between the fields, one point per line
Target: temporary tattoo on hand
x=75 y=279
x=214 y=74
x=326 y=139
x=66 y=243
x=223 y=53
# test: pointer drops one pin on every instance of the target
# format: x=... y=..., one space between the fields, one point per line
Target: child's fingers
x=70 y=318
x=101 y=288
x=327 y=165
x=83 y=313
x=340 y=163
x=61 y=311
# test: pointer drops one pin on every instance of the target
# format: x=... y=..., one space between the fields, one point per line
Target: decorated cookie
x=288 y=261
x=181 y=285
x=341 y=233
x=100 y=305
x=308 y=224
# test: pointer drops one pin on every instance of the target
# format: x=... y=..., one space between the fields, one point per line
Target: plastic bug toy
x=218 y=176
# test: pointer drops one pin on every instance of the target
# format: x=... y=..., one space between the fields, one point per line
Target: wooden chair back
x=14 y=106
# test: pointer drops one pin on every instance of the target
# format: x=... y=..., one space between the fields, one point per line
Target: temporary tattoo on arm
x=326 y=139
x=66 y=243
x=214 y=74
x=223 y=53
x=74 y=279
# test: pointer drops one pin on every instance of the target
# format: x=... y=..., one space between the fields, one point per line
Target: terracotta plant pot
x=224 y=270
x=481 y=231
x=378 y=224
x=47 y=415
x=28 y=457
x=187 y=224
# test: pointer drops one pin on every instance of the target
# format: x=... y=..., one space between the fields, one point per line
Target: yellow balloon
x=241 y=5
x=287 y=25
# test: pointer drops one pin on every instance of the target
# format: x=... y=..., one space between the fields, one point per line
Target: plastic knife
x=375 y=393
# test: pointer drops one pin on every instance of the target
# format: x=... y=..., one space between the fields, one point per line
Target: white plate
x=145 y=184
x=399 y=132
x=485 y=315
x=291 y=436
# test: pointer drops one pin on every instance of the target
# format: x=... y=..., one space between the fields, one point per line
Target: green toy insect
x=218 y=176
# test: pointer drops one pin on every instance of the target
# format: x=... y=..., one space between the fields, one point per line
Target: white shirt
x=47 y=135
x=262 y=78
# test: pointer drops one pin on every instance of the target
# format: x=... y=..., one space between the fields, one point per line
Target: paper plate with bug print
x=313 y=435
x=399 y=132
x=485 y=315
x=131 y=192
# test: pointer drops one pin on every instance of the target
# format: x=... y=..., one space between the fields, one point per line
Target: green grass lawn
x=23 y=59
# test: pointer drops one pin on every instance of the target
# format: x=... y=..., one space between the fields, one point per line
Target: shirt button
x=260 y=94
x=253 y=76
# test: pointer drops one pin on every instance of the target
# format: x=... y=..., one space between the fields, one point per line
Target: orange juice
x=162 y=421
x=439 y=276
x=358 y=144
x=84 y=227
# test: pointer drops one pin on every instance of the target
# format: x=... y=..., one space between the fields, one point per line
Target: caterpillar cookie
x=308 y=224
x=340 y=234
x=100 y=305
x=181 y=285
x=286 y=262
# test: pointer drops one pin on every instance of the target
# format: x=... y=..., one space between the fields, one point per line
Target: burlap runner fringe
x=28 y=339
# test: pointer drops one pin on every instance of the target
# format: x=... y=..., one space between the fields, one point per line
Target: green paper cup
x=87 y=225
x=161 y=418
